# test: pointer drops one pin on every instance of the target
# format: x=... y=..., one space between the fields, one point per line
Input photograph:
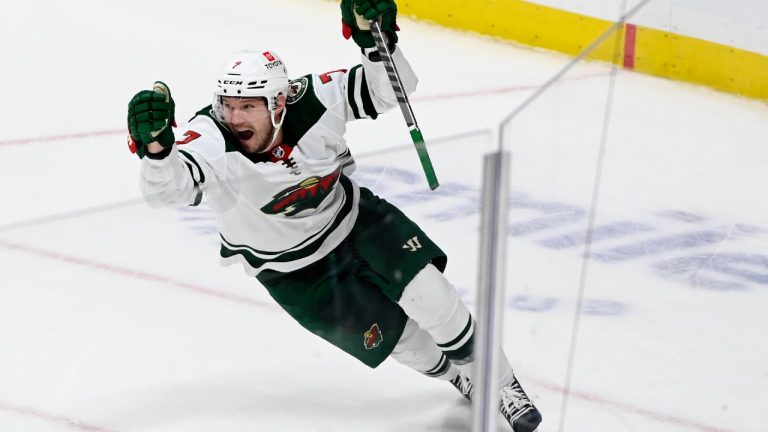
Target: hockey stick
x=405 y=105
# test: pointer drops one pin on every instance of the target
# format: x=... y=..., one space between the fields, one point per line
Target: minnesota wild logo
x=296 y=89
x=306 y=195
x=372 y=338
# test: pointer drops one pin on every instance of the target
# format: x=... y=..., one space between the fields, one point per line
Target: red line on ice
x=660 y=417
x=62 y=420
x=62 y=137
x=135 y=274
x=424 y=98
x=500 y=90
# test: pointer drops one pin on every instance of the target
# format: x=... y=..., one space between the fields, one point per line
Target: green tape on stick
x=426 y=162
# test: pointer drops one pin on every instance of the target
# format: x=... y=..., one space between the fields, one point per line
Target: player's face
x=250 y=121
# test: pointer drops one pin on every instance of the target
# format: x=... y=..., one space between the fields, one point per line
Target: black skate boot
x=518 y=409
x=464 y=386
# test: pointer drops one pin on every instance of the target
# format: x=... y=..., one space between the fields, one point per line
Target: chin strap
x=277 y=127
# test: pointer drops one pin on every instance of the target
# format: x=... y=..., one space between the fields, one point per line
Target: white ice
x=114 y=317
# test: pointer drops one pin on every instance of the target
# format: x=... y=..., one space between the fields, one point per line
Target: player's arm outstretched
x=166 y=179
x=356 y=17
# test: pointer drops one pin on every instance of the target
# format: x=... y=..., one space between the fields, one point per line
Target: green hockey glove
x=356 y=15
x=150 y=118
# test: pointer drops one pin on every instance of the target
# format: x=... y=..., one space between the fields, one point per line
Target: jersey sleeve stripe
x=365 y=94
x=198 y=196
x=353 y=88
x=198 y=190
x=359 y=83
x=201 y=176
x=346 y=159
x=191 y=173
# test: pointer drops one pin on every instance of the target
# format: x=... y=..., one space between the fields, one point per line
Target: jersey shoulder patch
x=297 y=88
x=305 y=108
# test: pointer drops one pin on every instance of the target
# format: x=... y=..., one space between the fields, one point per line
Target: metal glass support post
x=490 y=294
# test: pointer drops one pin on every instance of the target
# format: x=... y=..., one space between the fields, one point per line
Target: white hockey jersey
x=285 y=209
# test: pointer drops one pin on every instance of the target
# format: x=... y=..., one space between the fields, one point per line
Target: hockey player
x=270 y=157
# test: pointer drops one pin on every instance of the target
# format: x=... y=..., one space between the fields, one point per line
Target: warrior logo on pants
x=372 y=337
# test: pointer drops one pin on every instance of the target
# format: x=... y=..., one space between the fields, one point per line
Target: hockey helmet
x=252 y=73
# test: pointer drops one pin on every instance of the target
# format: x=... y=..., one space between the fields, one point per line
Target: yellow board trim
x=697 y=61
x=657 y=52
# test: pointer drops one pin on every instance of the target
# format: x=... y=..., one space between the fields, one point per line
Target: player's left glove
x=150 y=118
x=357 y=14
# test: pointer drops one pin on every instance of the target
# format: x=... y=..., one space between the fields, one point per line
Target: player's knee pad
x=435 y=305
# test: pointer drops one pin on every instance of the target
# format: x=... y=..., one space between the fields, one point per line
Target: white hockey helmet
x=252 y=73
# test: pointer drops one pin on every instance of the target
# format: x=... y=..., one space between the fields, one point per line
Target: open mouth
x=245 y=135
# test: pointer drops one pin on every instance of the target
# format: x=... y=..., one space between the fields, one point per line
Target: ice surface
x=115 y=317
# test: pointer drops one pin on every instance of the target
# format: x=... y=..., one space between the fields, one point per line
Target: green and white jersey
x=285 y=209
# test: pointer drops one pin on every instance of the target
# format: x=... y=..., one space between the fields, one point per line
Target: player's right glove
x=150 y=118
x=357 y=14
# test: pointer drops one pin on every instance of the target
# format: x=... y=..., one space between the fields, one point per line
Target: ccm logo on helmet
x=225 y=82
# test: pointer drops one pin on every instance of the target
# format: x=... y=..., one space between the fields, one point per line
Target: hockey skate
x=514 y=405
x=518 y=409
x=463 y=385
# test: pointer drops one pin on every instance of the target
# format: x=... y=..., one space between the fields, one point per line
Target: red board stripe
x=630 y=39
